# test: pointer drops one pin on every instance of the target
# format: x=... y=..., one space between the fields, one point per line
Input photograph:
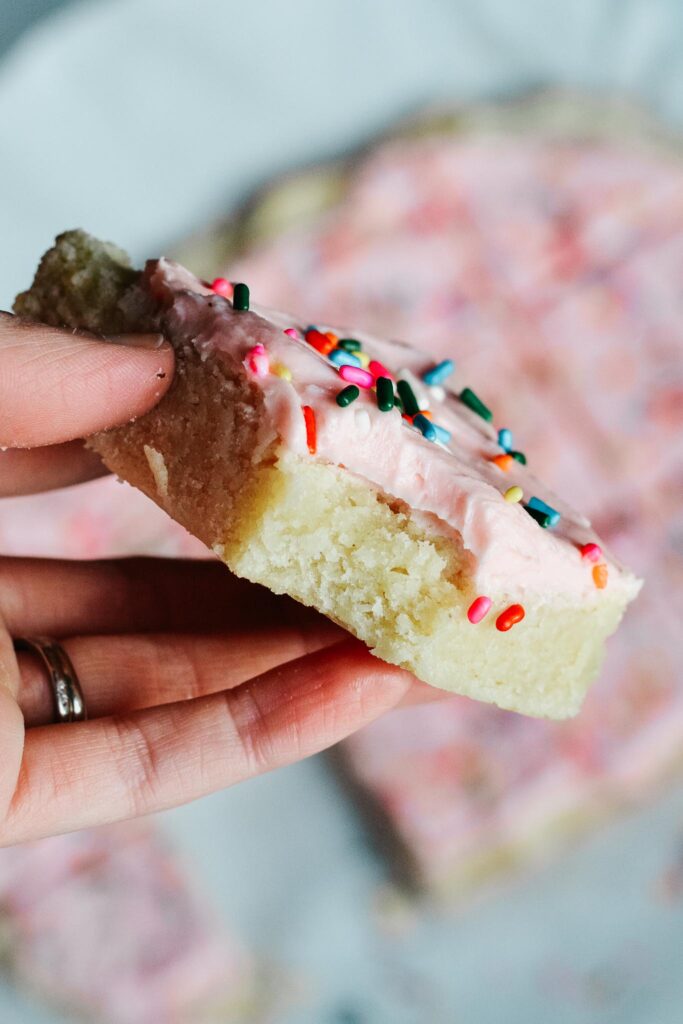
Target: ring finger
x=119 y=674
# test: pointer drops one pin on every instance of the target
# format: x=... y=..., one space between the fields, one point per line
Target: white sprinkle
x=157 y=465
x=438 y=393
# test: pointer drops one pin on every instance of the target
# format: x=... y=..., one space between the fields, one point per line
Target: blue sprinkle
x=437 y=374
x=311 y=327
x=425 y=426
x=442 y=434
x=540 y=506
x=505 y=439
x=340 y=357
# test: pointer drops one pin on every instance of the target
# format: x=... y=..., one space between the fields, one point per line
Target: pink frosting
x=455 y=484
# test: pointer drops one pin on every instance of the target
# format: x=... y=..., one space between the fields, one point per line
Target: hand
x=193 y=679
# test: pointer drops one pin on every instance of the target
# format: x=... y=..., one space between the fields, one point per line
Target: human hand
x=193 y=679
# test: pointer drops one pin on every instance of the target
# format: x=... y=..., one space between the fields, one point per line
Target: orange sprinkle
x=426 y=413
x=600 y=576
x=311 y=432
x=320 y=342
x=332 y=336
x=503 y=462
x=507 y=619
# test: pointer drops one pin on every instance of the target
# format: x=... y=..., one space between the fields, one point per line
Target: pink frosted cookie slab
x=105 y=922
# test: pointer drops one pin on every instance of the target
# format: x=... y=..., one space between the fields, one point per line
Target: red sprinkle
x=311 y=431
x=479 y=609
x=220 y=286
x=507 y=619
x=320 y=342
x=378 y=369
x=591 y=552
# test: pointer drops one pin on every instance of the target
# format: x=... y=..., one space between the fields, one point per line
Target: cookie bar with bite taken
x=353 y=474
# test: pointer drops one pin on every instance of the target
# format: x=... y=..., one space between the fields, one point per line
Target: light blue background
x=140 y=120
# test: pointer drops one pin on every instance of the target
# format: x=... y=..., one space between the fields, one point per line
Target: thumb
x=56 y=386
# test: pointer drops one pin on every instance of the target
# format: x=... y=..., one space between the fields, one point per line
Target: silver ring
x=66 y=689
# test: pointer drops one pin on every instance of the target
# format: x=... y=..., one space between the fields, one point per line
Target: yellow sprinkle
x=513 y=494
x=281 y=371
x=364 y=358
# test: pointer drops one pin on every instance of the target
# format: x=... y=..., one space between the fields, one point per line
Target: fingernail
x=152 y=341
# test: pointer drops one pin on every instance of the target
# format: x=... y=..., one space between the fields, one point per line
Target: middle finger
x=133 y=595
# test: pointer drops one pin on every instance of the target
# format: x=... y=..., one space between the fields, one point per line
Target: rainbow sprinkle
x=220 y=286
x=503 y=462
x=537 y=505
x=281 y=371
x=347 y=395
x=479 y=609
x=421 y=396
x=542 y=518
x=425 y=426
x=240 y=297
x=505 y=439
x=257 y=361
x=311 y=430
x=512 y=615
x=514 y=494
x=600 y=575
x=340 y=357
x=378 y=369
x=439 y=373
x=408 y=399
x=385 y=394
x=319 y=341
x=473 y=402
x=442 y=434
x=591 y=552
x=355 y=375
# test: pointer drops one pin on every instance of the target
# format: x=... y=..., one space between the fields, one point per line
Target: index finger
x=56 y=385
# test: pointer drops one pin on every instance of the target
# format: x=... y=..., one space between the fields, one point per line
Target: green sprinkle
x=408 y=399
x=520 y=456
x=347 y=395
x=542 y=518
x=240 y=297
x=473 y=402
x=350 y=344
x=385 y=394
